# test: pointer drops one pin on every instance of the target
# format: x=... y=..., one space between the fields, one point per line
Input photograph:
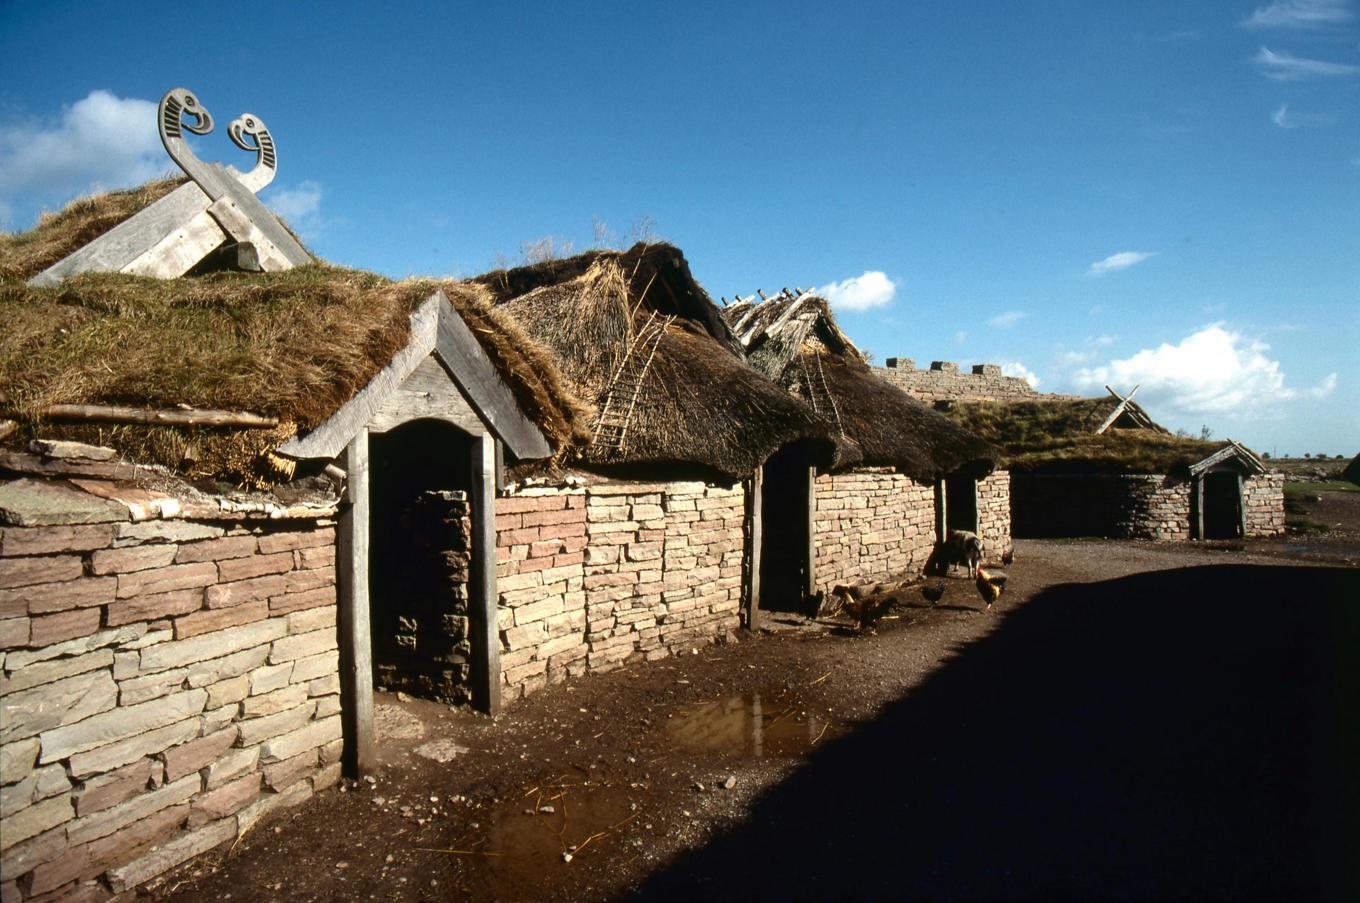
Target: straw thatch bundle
x=294 y=345
x=685 y=397
x=1058 y=435
x=796 y=342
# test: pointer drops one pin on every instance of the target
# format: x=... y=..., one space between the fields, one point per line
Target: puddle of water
x=755 y=724
x=519 y=846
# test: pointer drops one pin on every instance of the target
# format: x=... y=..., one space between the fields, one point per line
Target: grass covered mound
x=294 y=345
x=1058 y=435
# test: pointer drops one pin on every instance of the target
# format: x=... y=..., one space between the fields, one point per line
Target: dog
x=959 y=547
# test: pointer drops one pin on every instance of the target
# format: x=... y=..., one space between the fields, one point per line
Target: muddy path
x=1130 y=720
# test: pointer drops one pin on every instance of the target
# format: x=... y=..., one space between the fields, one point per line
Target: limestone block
x=50 y=706
x=314 y=598
x=110 y=789
x=230 y=765
x=35 y=819
x=287 y=542
x=112 y=726
x=260 y=729
x=281 y=700
x=21 y=541
x=212 y=645
x=311 y=619
x=219 y=549
x=236 y=664
x=44 y=569
x=105 y=822
x=52 y=671
x=312 y=667
x=226 y=800
x=154 y=607
x=168 y=855
x=223 y=595
x=302 y=645
x=143 y=689
x=296 y=742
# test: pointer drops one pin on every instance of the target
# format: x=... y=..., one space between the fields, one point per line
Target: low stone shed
x=1103 y=467
x=903 y=477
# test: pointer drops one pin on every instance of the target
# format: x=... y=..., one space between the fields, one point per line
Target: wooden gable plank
x=328 y=439
x=429 y=393
x=481 y=382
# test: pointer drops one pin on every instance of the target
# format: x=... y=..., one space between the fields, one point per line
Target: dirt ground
x=1131 y=720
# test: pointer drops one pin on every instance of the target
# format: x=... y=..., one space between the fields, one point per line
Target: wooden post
x=1199 y=507
x=755 y=496
x=810 y=583
x=941 y=518
x=977 y=511
x=486 y=635
x=1241 y=509
x=356 y=647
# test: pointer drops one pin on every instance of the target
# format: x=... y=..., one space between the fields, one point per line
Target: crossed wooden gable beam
x=216 y=205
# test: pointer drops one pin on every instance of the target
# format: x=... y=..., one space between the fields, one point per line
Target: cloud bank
x=868 y=290
x=1285 y=67
x=1212 y=371
x=1299 y=14
x=98 y=143
x=1008 y=319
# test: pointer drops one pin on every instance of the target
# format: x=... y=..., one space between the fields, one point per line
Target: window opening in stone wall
x=420 y=534
x=961 y=504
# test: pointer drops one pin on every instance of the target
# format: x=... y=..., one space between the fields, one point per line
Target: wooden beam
x=479 y=379
x=755 y=495
x=482 y=595
x=356 y=645
x=1118 y=409
x=94 y=413
x=1241 y=508
x=810 y=572
x=1199 y=507
x=941 y=515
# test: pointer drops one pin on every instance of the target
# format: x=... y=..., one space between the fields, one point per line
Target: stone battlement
x=943 y=381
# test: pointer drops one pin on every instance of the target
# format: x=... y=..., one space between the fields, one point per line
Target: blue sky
x=1165 y=194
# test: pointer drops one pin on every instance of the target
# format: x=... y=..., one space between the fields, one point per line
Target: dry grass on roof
x=1058 y=435
x=24 y=255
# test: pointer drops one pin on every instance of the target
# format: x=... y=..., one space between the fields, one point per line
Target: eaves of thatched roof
x=795 y=341
x=635 y=335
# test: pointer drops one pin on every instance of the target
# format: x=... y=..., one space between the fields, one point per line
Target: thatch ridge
x=699 y=405
x=796 y=341
x=1058 y=435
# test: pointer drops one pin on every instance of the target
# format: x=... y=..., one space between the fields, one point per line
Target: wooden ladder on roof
x=819 y=394
x=611 y=428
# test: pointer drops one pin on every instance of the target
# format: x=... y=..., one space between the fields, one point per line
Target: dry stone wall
x=944 y=382
x=592 y=577
x=1264 y=499
x=994 y=514
x=871 y=524
x=163 y=685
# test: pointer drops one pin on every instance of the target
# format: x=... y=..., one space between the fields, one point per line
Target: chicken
x=865 y=603
x=933 y=592
x=990 y=585
x=1009 y=558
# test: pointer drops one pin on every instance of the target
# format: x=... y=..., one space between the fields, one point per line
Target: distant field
x=1308 y=469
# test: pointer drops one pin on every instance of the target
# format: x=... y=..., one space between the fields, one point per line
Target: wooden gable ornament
x=215 y=207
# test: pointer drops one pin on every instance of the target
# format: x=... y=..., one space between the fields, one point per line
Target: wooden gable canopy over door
x=442 y=374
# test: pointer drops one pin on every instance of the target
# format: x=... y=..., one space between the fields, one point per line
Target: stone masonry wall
x=994 y=514
x=1129 y=506
x=163 y=685
x=871 y=524
x=1264 y=497
x=944 y=382
x=592 y=577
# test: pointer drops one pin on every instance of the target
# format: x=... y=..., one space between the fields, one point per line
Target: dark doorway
x=785 y=516
x=960 y=504
x=1222 y=505
x=419 y=559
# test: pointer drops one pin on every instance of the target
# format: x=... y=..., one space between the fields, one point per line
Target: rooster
x=865 y=603
x=990 y=585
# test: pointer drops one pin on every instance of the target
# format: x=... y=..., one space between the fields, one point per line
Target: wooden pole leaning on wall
x=754 y=501
x=356 y=644
x=482 y=595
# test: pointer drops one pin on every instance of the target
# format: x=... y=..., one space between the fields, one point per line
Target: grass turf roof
x=1057 y=435
x=295 y=345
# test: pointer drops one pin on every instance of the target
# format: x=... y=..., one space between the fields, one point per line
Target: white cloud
x=1069 y=359
x=1121 y=261
x=300 y=207
x=1281 y=117
x=1212 y=371
x=1101 y=341
x=1015 y=368
x=960 y=336
x=98 y=143
x=1008 y=319
x=1299 y=14
x=1285 y=67
x=872 y=289
x=1286 y=119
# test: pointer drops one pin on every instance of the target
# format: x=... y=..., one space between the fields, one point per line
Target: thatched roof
x=795 y=341
x=294 y=345
x=1058 y=434
x=636 y=336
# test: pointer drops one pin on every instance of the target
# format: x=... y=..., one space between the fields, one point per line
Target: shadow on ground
x=1176 y=734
